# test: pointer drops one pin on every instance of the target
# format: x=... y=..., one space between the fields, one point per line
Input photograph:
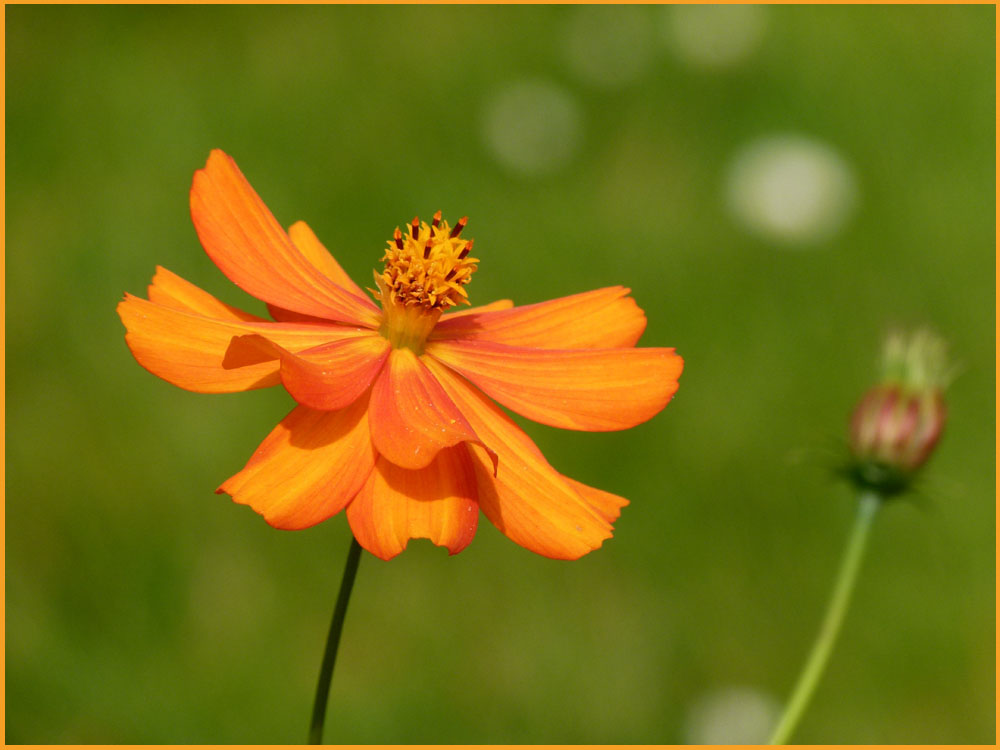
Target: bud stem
x=868 y=504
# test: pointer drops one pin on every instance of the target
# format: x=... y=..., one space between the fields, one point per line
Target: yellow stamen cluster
x=426 y=266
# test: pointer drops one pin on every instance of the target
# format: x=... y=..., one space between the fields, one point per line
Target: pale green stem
x=868 y=504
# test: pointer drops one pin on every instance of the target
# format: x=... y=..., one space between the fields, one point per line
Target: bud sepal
x=897 y=424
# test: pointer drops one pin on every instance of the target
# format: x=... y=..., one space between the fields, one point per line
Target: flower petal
x=527 y=499
x=325 y=377
x=582 y=389
x=187 y=349
x=316 y=253
x=601 y=319
x=411 y=416
x=171 y=290
x=310 y=466
x=607 y=504
x=282 y=315
x=249 y=246
x=500 y=304
x=437 y=502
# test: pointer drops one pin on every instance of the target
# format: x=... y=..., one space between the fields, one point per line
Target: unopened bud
x=897 y=423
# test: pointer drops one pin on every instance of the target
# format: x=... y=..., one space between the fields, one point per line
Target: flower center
x=426 y=270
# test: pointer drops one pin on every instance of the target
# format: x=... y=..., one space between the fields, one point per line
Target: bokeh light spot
x=532 y=127
x=608 y=45
x=791 y=188
x=734 y=715
x=714 y=36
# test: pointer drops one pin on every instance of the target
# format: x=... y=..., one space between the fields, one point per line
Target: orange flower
x=394 y=420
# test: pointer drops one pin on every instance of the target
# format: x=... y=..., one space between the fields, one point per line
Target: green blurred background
x=777 y=185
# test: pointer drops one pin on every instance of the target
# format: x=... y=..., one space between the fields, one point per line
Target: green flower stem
x=868 y=504
x=332 y=642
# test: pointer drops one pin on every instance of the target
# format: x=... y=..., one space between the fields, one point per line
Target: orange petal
x=437 y=502
x=249 y=246
x=527 y=500
x=411 y=417
x=282 y=315
x=187 y=349
x=500 y=304
x=308 y=243
x=326 y=377
x=601 y=319
x=314 y=251
x=308 y=468
x=582 y=389
x=607 y=504
x=171 y=290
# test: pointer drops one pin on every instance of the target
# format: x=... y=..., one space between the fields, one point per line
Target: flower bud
x=897 y=423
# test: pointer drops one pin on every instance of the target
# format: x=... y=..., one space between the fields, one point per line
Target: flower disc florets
x=427 y=266
x=426 y=270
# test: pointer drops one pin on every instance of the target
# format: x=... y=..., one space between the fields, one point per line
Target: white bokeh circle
x=734 y=715
x=791 y=188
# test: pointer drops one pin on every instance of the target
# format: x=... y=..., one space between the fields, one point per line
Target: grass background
x=142 y=608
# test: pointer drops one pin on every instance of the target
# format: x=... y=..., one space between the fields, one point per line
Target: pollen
x=427 y=266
